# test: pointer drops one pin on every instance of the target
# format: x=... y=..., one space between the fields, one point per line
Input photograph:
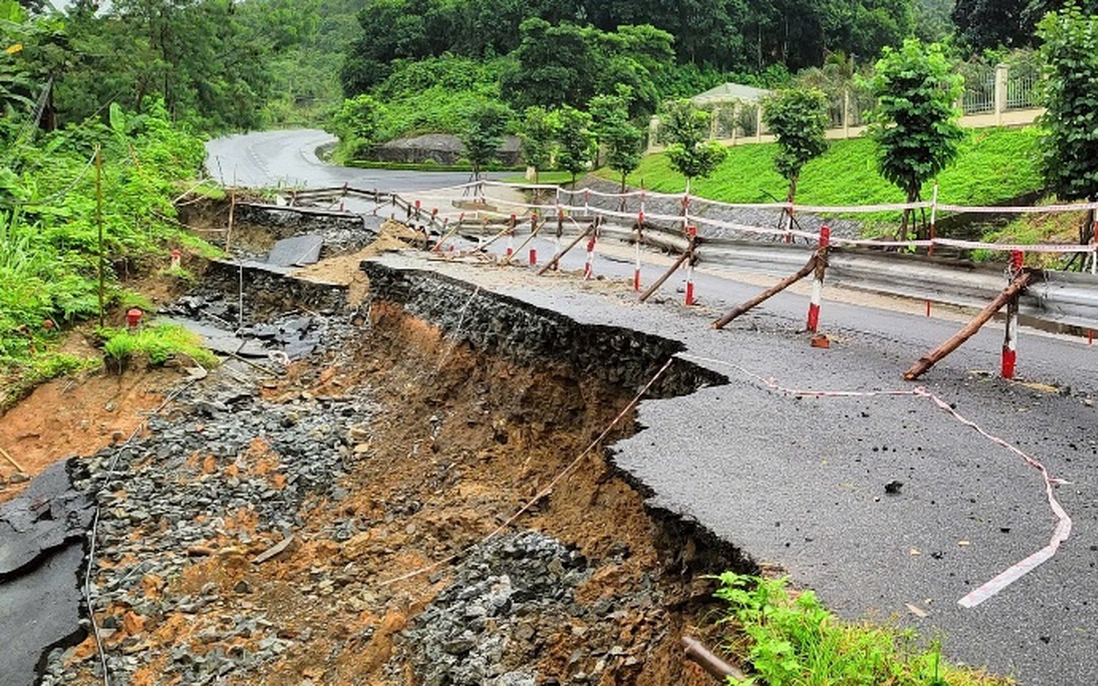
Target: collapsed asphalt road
x=42 y=539
x=801 y=483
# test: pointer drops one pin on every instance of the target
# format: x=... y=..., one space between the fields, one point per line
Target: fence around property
x=998 y=95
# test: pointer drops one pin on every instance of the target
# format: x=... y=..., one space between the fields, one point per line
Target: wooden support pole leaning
x=447 y=236
x=232 y=215
x=785 y=283
x=556 y=258
x=930 y=359
x=11 y=459
x=533 y=234
x=687 y=254
x=99 y=225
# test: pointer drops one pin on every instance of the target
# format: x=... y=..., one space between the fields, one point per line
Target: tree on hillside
x=357 y=124
x=614 y=132
x=798 y=118
x=576 y=141
x=686 y=128
x=483 y=134
x=607 y=111
x=538 y=134
x=1069 y=147
x=915 y=120
x=624 y=148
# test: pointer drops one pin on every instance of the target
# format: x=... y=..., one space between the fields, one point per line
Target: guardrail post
x=1010 y=337
x=560 y=227
x=511 y=237
x=1021 y=280
x=418 y=207
x=818 y=279
x=552 y=264
x=692 y=235
x=589 y=265
x=637 y=251
x=533 y=232
x=785 y=283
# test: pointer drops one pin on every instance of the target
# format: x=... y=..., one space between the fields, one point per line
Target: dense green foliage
x=49 y=246
x=1070 y=92
x=992 y=24
x=729 y=35
x=792 y=640
x=915 y=121
x=211 y=62
x=798 y=120
x=569 y=64
x=538 y=134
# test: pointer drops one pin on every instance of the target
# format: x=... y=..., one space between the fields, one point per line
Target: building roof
x=728 y=92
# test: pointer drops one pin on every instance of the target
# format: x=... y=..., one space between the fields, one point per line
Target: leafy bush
x=157 y=344
x=792 y=640
x=49 y=236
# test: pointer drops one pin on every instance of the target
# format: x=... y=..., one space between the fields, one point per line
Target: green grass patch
x=994 y=166
x=792 y=640
x=157 y=344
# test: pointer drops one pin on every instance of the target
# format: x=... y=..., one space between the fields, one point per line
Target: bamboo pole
x=930 y=359
x=556 y=258
x=785 y=283
x=667 y=275
x=777 y=288
x=532 y=236
x=99 y=225
x=687 y=254
x=11 y=459
x=715 y=666
x=232 y=215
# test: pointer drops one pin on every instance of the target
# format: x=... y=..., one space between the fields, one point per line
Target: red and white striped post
x=692 y=236
x=511 y=237
x=1010 y=338
x=589 y=265
x=533 y=249
x=818 y=279
x=637 y=251
x=419 y=206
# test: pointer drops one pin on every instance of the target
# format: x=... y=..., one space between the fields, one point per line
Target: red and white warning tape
x=1007 y=576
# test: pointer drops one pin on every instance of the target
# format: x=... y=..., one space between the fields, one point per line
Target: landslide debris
x=287 y=529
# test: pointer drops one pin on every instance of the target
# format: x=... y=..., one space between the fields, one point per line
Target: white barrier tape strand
x=1007 y=576
x=1036 y=247
x=1019 y=209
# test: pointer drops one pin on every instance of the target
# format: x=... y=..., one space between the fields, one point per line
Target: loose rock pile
x=513 y=603
x=224 y=478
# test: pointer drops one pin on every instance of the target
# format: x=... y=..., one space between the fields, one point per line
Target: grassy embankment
x=995 y=167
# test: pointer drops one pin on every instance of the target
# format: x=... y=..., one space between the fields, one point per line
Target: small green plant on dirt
x=790 y=639
x=118 y=349
x=157 y=344
x=180 y=274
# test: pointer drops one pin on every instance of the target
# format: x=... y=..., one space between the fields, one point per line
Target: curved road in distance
x=806 y=489
x=272 y=158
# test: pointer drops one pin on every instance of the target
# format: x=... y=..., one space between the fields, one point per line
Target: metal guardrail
x=1066 y=299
